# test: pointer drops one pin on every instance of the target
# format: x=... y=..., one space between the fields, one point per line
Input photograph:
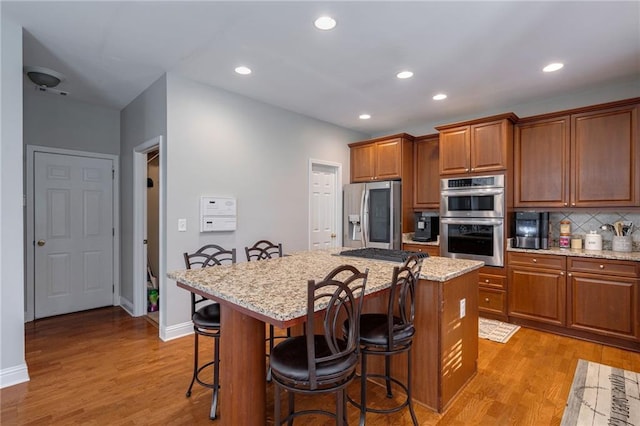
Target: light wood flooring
x=103 y=367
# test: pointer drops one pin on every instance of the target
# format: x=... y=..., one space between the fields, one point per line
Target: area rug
x=602 y=395
x=496 y=331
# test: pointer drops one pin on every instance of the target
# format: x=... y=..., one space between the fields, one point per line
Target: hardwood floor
x=105 y=367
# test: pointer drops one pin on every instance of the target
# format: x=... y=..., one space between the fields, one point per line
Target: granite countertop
x=277 y=288
x=596 y=254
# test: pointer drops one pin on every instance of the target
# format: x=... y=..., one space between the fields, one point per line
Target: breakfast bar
x=274 y=292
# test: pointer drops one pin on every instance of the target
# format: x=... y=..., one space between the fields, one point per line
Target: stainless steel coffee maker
x=531 y=230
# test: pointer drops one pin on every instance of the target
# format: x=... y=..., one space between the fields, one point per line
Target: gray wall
x=62 y=122
x=13 y=368
x=143 y=119
x=223 y=144
x=613 y=91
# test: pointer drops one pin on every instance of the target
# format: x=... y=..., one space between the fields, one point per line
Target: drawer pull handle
x=535 y=260
x=486 y=281
x=486 y=299
x=601 y=266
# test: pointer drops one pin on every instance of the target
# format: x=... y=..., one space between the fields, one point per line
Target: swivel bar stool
x=322 y=361
x=263 y=250
x=388 y=334
x=206 y=319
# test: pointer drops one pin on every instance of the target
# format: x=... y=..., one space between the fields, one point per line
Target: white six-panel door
x=323 y=226
x=73 y=233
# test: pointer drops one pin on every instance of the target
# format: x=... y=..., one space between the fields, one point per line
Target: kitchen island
x=274 y=292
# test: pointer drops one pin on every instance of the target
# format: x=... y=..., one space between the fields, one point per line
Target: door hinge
x=113 y=174
x=113 y=232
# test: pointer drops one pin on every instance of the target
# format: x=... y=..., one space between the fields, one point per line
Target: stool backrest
x=339 y=295
x=263 y=250
x=207 y=256
x=401 y=307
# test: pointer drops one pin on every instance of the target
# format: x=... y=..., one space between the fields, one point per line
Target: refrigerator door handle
x=364 y=215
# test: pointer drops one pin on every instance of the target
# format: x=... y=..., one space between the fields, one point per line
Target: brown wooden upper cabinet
x=426 y=184
x=380 y=159
x=588 y=158
x=477 y=146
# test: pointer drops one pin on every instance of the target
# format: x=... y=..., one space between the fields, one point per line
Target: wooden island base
x=445 y=346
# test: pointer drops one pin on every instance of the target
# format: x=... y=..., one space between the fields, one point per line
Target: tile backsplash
x=582 y=223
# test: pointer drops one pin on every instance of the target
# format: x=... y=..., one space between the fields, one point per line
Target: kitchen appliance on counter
x=531 y=230
x=372 y=215
x=427 y=228
x=472 y=218
x=383 y=254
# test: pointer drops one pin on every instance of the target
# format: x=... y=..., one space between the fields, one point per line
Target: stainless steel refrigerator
x=372 y=215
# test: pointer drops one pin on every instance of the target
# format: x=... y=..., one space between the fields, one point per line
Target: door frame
x=139 y=224
x=337 y=167
x=30 y=221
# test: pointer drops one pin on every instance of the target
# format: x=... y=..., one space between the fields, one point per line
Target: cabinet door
x=488 y=147
x=426 y=184
x=388 y=160
x=363 y=160
x=541 y=163
x=454 y=150
x=537 y=294
x=604 y=305
x=431 y=250
x=605 y=158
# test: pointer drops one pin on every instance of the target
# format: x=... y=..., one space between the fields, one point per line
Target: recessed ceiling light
x=404 y=74
x=439 y=97
x=553 y=67
x=325 y=23
x=243 y=70
x=365 y=116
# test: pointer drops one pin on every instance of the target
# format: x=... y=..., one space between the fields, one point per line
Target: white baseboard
x=127 y=305
x=176 y=331
x=14 y=375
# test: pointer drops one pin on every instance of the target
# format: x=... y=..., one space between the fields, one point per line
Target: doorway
x=71 y=231
x=148 y=234
x=325 y=204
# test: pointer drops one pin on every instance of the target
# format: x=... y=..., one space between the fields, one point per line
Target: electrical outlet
x=182 y=225
x=463 y=307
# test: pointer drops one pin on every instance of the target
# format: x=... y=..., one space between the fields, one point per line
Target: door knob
x=41 y=242
x=333 y=235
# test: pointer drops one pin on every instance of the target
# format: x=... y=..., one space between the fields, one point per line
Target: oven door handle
x=465 y=221
x=478 y=191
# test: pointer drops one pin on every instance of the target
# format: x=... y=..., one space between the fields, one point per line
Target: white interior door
x=324 y=207
x=73 y=233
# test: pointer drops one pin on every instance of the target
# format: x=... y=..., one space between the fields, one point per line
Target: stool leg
x=409 y=396
x=291 y=408
x=195 y=364
x=363 y=388
x=271 y=332
x=216 y=378
x=340 y=407
x=387 y=373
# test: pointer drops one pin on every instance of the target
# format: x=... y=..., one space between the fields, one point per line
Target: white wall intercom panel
x=217 y=214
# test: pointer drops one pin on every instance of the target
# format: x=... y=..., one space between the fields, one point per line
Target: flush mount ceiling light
x=364 y=116
x=325 y=23
x=404 y=74
x=43 y=77
x=243 y=70
x=439 y=97
x=553 y=67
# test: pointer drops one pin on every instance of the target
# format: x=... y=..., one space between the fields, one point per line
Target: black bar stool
x=206 y=319
x=388 y=334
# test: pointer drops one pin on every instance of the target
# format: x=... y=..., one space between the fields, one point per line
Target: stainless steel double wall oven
x=472 y=218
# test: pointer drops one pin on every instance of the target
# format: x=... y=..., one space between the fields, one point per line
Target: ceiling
x=483 y=55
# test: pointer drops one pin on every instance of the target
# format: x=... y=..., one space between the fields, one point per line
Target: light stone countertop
x=276 y=289
x=633 y=256
x=407 y=238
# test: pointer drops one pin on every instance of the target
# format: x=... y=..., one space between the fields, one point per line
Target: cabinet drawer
x=604 y=267
x=541 y=261
x=431 y=250
x=492 y=301
x=492 y=281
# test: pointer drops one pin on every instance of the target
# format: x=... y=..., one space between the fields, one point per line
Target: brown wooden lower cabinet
x=431 y=250
x=589 y=298
x=604 y=297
